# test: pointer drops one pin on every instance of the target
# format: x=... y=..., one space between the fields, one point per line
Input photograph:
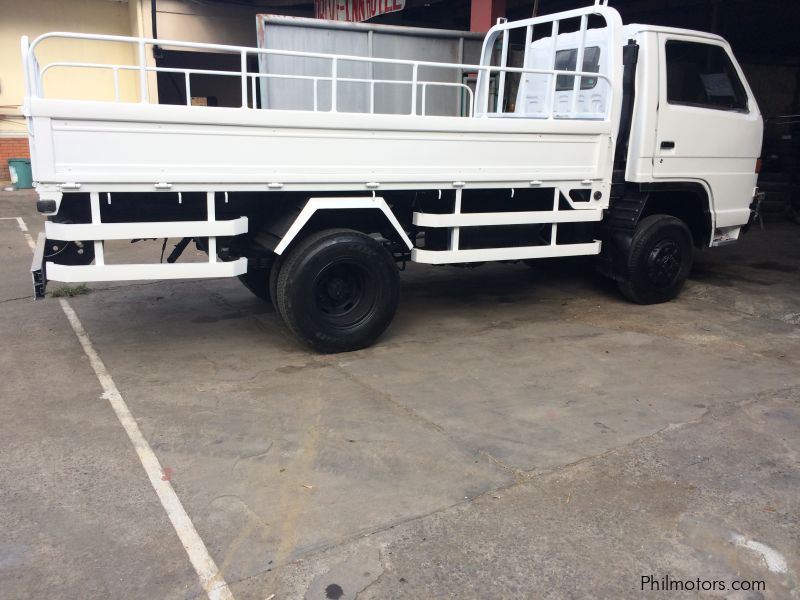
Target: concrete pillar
x=484 y=14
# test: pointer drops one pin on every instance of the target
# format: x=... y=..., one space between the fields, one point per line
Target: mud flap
x=619 y=225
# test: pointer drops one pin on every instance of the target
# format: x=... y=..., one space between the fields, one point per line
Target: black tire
x=337 y=290
x=273 y=279
x=256 y=279
x=659 y=260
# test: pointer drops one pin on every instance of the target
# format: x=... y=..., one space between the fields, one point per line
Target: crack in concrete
x=314 y=550
x=378 y=578
x=518 y=474
x=30 y=297
x=741 y=405
x=790 y=451
x=251 y=456
x=737 y=310
x=402 y=408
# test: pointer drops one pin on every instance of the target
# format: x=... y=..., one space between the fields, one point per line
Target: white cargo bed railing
x=477 y=105
x=594 y=176
x=249 y=89
x=253 y=77
x=612 y=77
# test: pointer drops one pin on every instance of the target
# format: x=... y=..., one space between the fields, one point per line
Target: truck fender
x=619 y=224
x=346 y=203
x=624 y=213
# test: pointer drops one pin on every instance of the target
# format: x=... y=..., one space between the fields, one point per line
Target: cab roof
x=636 y=28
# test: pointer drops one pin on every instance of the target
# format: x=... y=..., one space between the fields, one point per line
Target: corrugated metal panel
x=359 y=39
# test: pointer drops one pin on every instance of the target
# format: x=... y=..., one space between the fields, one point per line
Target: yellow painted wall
x=232 y=23
x=34 y=17
x=142 y=26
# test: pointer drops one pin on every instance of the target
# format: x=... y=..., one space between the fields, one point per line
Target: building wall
x=11 y=147
x=34 y=17
x=774 y=86
x=231 y=23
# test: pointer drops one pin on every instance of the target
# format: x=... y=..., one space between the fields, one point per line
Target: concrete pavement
x=516 y=433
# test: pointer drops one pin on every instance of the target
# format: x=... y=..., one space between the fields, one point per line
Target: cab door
x=708 y=125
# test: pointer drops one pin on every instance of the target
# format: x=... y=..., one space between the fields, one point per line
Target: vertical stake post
x=212 y=216
x=94 y=199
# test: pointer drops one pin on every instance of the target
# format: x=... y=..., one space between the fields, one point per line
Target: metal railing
x=253 y=77
x=503 y=29
x=478 y=102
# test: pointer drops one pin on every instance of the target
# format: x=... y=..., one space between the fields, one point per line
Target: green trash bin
x=20 y=170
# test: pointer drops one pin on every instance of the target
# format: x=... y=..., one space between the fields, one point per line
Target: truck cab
x=694 y=122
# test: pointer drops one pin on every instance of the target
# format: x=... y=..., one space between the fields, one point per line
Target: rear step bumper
x=133 y=272
x=91 y=236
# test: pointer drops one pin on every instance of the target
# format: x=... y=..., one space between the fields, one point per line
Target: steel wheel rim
x=664 y=263
x=344 y=294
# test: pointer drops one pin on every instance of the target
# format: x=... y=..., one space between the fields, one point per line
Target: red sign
x=355 y=10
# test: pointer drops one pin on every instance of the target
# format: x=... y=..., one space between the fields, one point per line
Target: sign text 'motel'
x=355 y=10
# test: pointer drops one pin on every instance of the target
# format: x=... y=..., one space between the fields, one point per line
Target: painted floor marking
x=772 y=558
x=209 y=575
x=24 y=229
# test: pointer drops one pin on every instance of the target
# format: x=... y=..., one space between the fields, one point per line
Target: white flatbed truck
x=636 y=144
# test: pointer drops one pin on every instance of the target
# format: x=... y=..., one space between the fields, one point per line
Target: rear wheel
x=337 y=290
x=273 y=279
x=659 y=260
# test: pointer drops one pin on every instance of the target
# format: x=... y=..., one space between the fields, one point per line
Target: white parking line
x=23 y=228
x=211 y=580
x=210 y=577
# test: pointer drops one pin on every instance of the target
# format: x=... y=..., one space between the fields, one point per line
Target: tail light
x=759 y=162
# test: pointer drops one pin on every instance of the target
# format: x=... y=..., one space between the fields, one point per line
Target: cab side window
x=702 y=75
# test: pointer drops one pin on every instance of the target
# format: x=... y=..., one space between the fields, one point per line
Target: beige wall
x=231 y=23
x=194 y=22
x=177 y=19
x=34 y=17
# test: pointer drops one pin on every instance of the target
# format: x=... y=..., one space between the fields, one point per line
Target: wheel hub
x=664 y=263
x=339 y=292
x=339 y=289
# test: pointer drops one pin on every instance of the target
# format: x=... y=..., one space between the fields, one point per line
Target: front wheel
x=659 y=260
x=337 y=290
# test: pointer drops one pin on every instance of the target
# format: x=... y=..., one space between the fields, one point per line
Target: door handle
x=667 y=145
